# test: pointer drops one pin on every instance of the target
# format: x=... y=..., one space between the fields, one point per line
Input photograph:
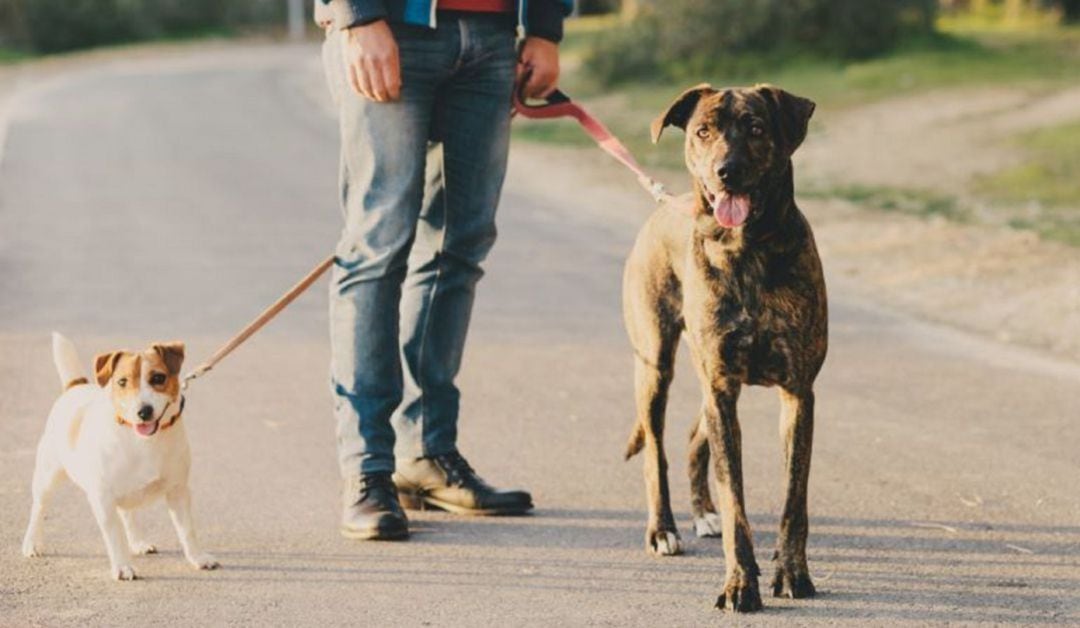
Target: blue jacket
x=538 y=18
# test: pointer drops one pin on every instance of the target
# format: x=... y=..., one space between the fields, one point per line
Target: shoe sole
x=374 y=535
x=413 y=501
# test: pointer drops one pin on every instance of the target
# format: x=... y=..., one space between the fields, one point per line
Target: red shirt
x=479 y=6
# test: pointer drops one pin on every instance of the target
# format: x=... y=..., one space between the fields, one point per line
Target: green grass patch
x=913 y=202
x=1051 y=172
x=10 y=55
x=1044 y=191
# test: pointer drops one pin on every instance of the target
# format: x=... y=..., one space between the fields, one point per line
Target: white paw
x=666 y=544
x=143 y=547
x=123 y=572
x=30 y=549
x=204 y=561
x=708 y=525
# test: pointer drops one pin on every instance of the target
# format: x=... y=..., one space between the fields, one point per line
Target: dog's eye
x=757 y=130
x=157 y=379
x=703 y=132
x=122 y=382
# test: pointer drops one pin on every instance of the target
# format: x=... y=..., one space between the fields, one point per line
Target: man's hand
x=540 y=59
x=372 y=64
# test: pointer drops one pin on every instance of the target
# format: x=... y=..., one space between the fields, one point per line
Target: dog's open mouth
x=148 y=428
x=729 y=210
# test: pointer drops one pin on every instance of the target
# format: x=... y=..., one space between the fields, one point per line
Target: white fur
x=117 y=469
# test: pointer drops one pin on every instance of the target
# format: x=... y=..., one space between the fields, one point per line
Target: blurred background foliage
x=44 y=26
x=679 y=39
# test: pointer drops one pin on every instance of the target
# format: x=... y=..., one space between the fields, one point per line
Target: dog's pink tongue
x=147 y=429
x=731 y=211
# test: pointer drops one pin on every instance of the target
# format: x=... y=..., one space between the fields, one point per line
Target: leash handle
x=260 y=321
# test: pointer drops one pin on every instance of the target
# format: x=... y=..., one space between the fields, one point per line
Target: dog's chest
x=143 y=475
x=744 y=321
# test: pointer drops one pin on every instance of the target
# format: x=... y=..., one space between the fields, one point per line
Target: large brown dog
x=742 y=278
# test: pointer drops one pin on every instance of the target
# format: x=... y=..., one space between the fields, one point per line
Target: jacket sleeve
x=545 y=18
x=349 y=13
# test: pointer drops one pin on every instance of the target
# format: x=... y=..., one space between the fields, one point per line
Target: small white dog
x=122 y=442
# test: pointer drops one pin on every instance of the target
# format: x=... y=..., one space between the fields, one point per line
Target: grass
x=923 y=203
x=10 y=55
x=1046 y=187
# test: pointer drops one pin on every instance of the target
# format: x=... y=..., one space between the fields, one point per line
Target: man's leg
x=382 y=172
x=455 y=234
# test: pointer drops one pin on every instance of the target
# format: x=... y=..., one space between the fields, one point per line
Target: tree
x=1071 y=10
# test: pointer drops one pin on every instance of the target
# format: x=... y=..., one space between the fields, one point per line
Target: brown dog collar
x=177 y=417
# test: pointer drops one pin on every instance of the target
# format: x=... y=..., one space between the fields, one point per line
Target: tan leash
x=260 y=321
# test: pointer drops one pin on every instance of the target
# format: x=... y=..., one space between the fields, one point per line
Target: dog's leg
x=706 y=521
x=179 y=502
x=112 y=530
x=651 y=385
x=136 y=542
x=741 y=583
x=792 y=577
x=47 y=474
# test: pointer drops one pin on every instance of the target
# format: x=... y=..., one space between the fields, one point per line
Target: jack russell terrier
x=122 y=442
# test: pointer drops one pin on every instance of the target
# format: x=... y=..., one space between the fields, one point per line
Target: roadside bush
x=680 y=38
x=57 y=25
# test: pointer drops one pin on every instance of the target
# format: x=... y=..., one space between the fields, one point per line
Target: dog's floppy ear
x=678 y=112
x=104 y=365
x=791 y=115
x=172 y=354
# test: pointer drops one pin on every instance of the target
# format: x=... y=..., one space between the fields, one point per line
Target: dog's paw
x=663 y=543
x=123 y=573
x=142 y=548
x=793 y=582
x=31 y=550
x=708 y=525
x=205 y=562
x=740 y=596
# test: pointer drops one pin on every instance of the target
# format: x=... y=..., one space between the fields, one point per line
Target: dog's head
x=738 y=141
x=144 y=386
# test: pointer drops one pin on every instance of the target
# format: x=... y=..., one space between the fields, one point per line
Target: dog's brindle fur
x=751 y=300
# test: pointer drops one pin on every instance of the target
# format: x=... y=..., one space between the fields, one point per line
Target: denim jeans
x=420 y=182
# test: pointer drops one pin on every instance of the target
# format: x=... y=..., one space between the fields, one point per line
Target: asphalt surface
x=172 y=198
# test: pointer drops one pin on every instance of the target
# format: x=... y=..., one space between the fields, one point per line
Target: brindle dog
x=742 y=278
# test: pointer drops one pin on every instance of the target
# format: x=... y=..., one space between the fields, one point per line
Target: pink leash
x=559 y=105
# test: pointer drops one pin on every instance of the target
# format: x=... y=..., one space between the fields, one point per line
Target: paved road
x=171 y=198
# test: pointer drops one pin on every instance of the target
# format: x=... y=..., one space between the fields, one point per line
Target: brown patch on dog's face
x=736 y=138
x=144 y=387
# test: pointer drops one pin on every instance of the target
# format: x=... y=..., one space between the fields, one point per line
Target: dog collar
x=177 y=417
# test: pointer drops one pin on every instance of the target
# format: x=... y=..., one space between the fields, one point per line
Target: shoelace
x=360 y=486
x=458 y=471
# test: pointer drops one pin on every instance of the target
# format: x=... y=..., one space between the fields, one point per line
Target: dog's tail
x=637 y=441
x=67 y=362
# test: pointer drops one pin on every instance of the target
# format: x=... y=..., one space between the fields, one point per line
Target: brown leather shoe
x=447 y=482
x=372 y=510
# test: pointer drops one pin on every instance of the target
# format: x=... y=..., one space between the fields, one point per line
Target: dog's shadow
x=864 y=568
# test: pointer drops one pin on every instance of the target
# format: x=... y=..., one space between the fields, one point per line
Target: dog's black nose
x=729 y=172
x=146 y=413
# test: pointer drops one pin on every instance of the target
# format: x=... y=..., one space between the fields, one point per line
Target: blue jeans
x=420 y=181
